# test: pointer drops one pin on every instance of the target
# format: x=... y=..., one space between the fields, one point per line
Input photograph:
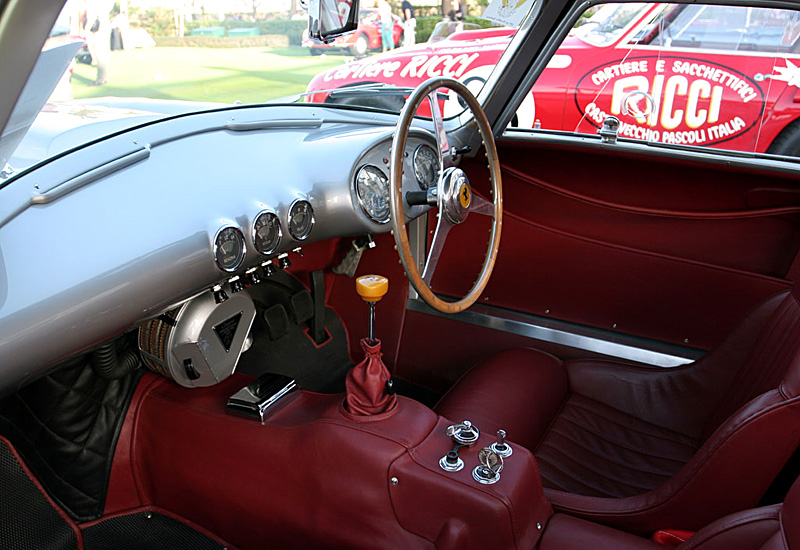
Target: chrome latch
x=464 y=433
x=608 y=133
x=491 y=464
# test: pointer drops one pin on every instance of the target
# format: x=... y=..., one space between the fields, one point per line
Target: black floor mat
x=27 y=520
x=281 y=345
x=145 y=531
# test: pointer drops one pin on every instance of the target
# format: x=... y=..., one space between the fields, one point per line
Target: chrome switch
x=500 y=446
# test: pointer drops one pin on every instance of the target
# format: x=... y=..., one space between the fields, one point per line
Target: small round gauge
x=267 y=232
x=229 y=248
x=372 y=189
x=426 y=166
x=301 y=220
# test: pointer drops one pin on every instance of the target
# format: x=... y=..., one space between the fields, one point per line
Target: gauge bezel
x=255 y=232
x=414 y=164
x=361 y=201
x=217 y=247
x=289 y=220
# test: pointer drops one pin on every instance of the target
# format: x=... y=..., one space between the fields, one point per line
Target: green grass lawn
x=249 y=75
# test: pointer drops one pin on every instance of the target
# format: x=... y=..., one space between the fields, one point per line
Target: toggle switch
x=500 y=446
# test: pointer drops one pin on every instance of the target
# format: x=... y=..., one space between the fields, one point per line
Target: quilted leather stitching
x=64 y=425
x=652 y=453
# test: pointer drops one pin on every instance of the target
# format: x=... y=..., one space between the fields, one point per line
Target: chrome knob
x=464 y=433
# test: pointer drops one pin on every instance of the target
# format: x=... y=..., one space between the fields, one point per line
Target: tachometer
x=229 y=248
x=426 y=167
x=301 y=220
x=372 y=190
x=267 y=232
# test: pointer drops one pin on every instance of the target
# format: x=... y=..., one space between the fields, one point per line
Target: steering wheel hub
x=456 y=195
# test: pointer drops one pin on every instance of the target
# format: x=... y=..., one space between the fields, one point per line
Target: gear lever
x=372 y=288
x=367 y=383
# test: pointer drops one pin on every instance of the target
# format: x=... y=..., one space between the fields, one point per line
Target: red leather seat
x=769 y=528
x=644 y=448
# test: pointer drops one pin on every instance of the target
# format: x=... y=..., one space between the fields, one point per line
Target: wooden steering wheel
x=452 y=195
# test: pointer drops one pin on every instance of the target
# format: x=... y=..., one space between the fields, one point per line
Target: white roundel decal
x=474 y=80
x=695 y=102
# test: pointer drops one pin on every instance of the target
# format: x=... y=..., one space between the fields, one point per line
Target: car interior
x=207 y=343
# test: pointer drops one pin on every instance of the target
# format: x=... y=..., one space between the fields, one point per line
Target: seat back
x=774 y=357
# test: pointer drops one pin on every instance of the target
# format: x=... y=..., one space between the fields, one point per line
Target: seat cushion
x=595 y=450
x=518 y=390
x=564 y=532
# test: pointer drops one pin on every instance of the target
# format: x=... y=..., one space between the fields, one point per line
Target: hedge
x=292 y=28
x=266 y=40
x=425 y=25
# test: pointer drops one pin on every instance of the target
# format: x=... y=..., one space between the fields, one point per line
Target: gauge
x=229 y=248
x=372 y=189
x=426 y=166
x=267 y=232
x=301 y=220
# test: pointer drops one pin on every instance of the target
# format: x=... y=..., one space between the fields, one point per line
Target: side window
x=724 y=28
x=722 y=77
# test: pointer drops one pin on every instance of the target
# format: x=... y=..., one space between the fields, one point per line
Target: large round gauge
x=229 y=248
x=426 y=167
x=267 y=232
x=372 y=189
x=301 y=220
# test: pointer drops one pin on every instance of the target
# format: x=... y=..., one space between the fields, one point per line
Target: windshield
x=126 y=63
x=607 y=24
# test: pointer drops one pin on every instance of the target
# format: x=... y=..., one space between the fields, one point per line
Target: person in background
x=409 y=24
x=458 y=9
x=119 y=26
x=387 y=24
x=98 y=37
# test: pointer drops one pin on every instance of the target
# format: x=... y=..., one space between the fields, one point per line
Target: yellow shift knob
x=372 y=288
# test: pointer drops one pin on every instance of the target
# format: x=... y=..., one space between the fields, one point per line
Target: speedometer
x=372 y=189
x=426 y=167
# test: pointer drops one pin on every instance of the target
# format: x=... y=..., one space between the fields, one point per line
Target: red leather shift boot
x=366 y=384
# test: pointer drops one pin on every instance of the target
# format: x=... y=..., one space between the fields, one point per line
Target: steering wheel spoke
x=479 y=205
x=441 y=135
x=454 y=195
x=443 y=228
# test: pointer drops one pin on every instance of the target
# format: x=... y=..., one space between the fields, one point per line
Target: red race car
x=718 y=76
x=365 y=38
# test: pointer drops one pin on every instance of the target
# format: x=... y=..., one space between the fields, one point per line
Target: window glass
x=112 y=65
x=723 y=77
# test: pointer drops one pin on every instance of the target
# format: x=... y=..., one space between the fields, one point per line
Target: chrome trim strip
x=631 y=348
x=73 y=184
x=297 y=124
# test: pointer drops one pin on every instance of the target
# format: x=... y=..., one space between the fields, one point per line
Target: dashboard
x=131 y=226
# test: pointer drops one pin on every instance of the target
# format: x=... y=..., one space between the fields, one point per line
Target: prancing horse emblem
x=464 y=196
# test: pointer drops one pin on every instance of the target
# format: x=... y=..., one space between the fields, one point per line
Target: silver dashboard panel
x=120 y=230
